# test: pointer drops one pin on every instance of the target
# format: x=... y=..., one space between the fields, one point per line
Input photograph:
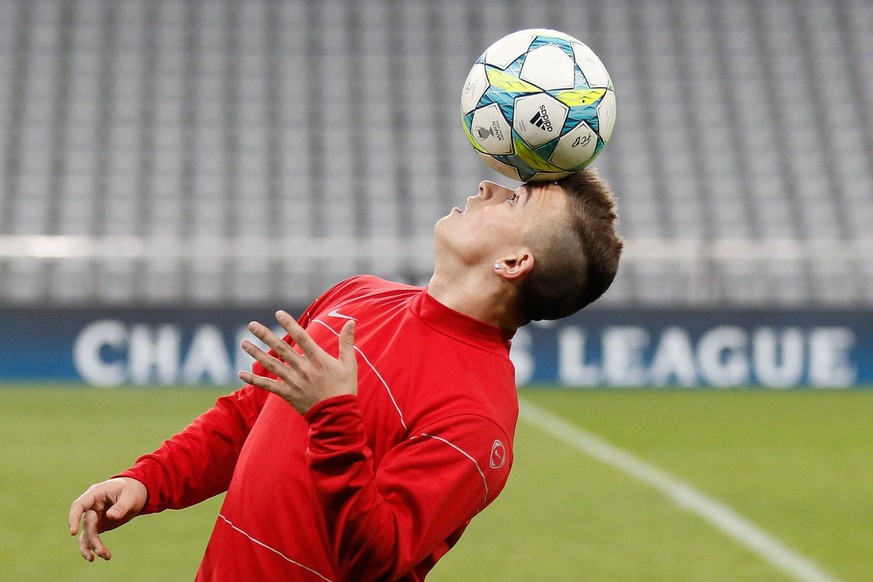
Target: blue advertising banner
x=113 y=347
x=719 y=348
x=595 y=348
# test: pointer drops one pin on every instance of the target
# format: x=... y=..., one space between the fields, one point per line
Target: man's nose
x=488 y=189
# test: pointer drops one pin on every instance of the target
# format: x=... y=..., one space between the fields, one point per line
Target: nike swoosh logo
x=336 y=313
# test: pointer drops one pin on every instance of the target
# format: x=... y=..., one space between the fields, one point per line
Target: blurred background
x=238 y=153
x=148 y=150
x=172 y=169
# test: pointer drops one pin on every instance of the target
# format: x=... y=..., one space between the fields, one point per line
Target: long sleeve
x=198 y=462
x=382 y=524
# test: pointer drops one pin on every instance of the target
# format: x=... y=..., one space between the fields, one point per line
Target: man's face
x=498 y=220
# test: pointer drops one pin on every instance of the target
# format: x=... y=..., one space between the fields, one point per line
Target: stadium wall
x=596 y=348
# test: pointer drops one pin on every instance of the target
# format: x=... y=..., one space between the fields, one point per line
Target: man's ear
x=516 y=266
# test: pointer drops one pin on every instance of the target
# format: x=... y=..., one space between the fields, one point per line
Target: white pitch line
x=718 y=514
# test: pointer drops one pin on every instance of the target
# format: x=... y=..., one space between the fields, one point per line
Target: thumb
x=126 y=503
x=347 y=343
x=117 y=511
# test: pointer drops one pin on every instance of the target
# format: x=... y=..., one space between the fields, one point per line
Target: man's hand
x=308 y=378
x=102 y=507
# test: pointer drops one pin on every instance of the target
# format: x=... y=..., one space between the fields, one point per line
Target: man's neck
x=486 y=298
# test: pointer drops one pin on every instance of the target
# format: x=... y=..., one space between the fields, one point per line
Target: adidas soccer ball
x=538 y=105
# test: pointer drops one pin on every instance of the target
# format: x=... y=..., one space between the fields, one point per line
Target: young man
x=368 y=465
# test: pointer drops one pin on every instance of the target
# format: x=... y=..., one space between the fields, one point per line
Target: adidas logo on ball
x=541 y=119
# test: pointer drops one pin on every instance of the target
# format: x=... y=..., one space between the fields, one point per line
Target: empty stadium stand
x=132 y=129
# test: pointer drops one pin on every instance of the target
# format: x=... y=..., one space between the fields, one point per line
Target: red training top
x=376 y=486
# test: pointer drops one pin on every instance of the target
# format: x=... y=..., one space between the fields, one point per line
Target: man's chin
x=444 y=219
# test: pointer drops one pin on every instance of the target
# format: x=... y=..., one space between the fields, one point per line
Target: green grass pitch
x=798 y=464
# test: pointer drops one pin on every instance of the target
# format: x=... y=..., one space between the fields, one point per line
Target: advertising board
x=594 y=348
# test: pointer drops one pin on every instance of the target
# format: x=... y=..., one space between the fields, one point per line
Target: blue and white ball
x=538 y=105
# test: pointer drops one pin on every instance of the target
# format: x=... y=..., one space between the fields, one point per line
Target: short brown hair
x=576 y=262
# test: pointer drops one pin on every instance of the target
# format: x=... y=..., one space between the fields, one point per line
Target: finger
x=267 y=384
x=254 y=351
x=284 y=351
x=298 y=334
x=90 y=542
x=261 y=356
x=85 y=548
x=76 y=511
x=347 y=344
x=88 y=500
x=266 y=335
x=273 y=365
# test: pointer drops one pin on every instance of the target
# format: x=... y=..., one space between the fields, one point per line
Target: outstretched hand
x=303 y=379
x=102 y=507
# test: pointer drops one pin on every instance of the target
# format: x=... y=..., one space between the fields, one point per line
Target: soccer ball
x=538 y=105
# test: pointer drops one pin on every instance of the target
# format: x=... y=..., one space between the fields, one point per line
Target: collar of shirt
x=459 y=325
